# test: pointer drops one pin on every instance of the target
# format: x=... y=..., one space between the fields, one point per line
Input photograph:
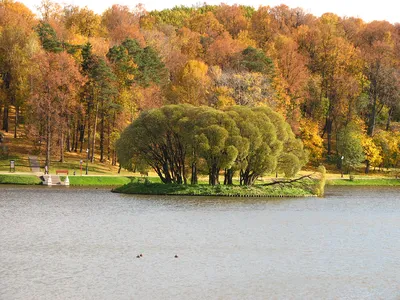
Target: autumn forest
x=73 y=80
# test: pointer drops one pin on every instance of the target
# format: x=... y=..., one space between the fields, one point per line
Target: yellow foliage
x=312 y=140
x=372 y=151
x=193 y=84
x=388 y=143
x=245 y=40
x=281 y=99
x=224 y=98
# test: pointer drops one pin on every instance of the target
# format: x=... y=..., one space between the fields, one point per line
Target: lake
x=81 y=243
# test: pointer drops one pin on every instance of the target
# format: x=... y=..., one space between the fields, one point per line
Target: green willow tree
x=177 y=138
x=158 y=138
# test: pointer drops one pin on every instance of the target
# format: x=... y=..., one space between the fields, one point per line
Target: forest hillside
x=72 y=80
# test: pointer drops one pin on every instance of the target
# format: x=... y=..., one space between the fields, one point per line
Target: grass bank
x=74 y=180
x=20 y=179
x=97 y=180
x=365 y=182
x=300 y=189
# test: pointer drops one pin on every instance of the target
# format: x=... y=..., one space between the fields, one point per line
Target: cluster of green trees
x=72 y=79
x=178 y=140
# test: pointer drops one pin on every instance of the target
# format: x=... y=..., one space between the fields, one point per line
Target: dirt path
x=34 y=164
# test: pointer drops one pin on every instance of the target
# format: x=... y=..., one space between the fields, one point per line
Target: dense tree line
x=178 y=140
x=72 y=80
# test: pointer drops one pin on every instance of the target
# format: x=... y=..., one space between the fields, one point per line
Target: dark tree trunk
x=48 y=142
x=389 y=119
x=94 y=133
x=5 y=118
x=102 y=136
x=372 y=117
x=329 y=133
x=74 y=137
x=62 y=143
x=367 y=166
x=166 y=171
x=108 y=141
x=88 y=131
x=68 y=139
x=194 y=179
x=81 y=137
x=228 y=179
x=114 y=157
x=213 y=178
x=16 y=121
x=247 y=178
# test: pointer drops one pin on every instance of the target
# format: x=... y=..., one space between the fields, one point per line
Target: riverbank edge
x=20 y=179
x=364 y=182
x=30 y=179
x=112 y=180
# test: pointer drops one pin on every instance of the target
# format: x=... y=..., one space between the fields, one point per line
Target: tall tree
x=55 y=86
x=100 y=91
x=17 y=45
x=192 y=84
x=122 y=23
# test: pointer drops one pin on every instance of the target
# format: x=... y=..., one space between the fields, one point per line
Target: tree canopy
x=177 y=138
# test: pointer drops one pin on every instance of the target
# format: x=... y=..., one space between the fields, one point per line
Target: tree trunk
x=246 y=178
x=183 y=169
x=228 y=180
x=81 y=137
x=94 y=133
x=167 y=178
x=114 y=158
x=371 y=123
x=74 y=137
x=62 y=144
x=213 y=175
x=5 y=118
x=194 y=179
x=48 y=142
x=367 y=166
x=108 y=141
x=329 y=133
x=68 y=138
x=16 y=121
x=88 y=131
x=102 y=128
x=389 y=119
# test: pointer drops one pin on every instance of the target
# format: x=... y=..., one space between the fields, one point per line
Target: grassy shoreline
x=364 y=182
x=97 y=180
x=20 y=179
x=152 y=186
x=300 y=189
x=26 y=179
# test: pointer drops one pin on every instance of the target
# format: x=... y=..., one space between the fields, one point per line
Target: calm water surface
x=66 y=243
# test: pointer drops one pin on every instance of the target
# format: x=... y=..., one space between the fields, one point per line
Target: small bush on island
x=176 y=140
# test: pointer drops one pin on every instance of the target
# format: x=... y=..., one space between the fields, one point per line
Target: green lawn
x=19 y=179
x=97 y=180
x=365 y=182
x=21 y=164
